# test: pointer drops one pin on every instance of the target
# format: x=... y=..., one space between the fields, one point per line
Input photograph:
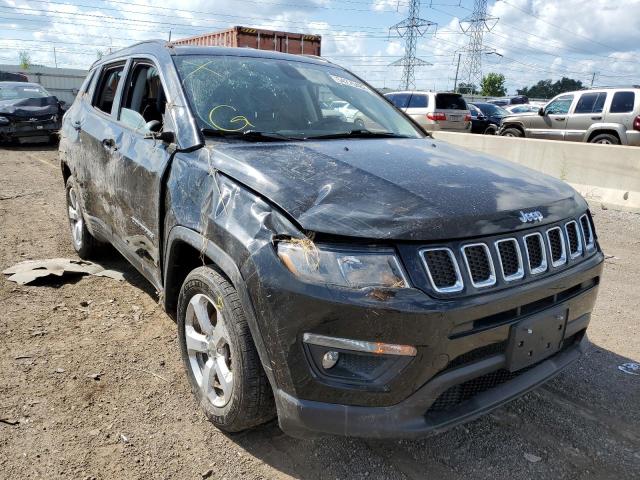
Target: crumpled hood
x=403 y=189
x=29 y=107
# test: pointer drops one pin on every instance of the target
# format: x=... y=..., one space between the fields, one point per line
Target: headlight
x=354 y=268
x=4 y=120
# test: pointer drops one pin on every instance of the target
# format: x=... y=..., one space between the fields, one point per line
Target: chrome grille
x=464 y=267
x=536 y=253
x=510 y=259
x=556 y=246
x=573 y=239
x=479 y=264
x=442 y=269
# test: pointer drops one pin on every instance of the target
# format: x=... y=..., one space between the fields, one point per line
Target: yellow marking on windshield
x=237 y=118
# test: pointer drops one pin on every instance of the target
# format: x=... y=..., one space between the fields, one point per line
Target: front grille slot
x=536 y=254
x=479 y=264
x=587 y=232
x=442 y=269
x=510 y=259
x=556 y=246
x=573 y=239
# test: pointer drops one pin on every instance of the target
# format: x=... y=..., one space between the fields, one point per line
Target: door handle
x=109 y=144
x=596 y=118
x=559 y=119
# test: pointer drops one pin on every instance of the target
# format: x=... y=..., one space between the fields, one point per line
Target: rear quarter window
x=419 y=101
x=446 y=101
x=622 y=102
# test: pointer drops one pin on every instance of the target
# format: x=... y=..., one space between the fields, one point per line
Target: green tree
x=25 y=59
x=492 y=85
x=549 y=89
x=468 y=88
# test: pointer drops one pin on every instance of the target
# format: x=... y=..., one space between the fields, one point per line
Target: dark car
x=28 y=113
x=517 y=100
x=491 y=119
x=354 y=281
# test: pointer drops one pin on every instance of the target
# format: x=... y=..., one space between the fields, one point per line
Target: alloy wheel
x=75 y=218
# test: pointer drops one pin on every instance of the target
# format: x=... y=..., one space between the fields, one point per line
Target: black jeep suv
x=355 y=279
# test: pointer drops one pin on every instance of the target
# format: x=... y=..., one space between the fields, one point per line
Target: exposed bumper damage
x=30 y=119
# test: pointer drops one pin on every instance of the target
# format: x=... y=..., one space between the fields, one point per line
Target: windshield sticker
x=349 y=83
x=238 y=118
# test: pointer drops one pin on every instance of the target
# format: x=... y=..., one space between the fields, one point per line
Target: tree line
x=493 y=85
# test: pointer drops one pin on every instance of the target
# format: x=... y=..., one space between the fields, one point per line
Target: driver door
x=553 y=124
x=138 y=162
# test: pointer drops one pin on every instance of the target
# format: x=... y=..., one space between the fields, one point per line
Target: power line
x=410 y=29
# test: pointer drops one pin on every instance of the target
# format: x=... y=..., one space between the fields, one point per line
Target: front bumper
x=444 y=331
x=20 y=130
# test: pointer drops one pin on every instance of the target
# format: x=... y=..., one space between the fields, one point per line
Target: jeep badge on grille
x=534 y=216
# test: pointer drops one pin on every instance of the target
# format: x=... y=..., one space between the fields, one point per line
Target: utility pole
x=455 y=82
x=593 y=78
x=410 y=29
x=474 y=26
x=55 y=58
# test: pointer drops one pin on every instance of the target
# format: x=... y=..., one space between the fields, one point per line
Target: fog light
x=330 y=359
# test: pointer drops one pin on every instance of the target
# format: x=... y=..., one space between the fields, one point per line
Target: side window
x=419 y=101
x=591 y=102
x=400 y=100
x=107 y=88
x=622 y=102
x=144 y=101
x=560 y=105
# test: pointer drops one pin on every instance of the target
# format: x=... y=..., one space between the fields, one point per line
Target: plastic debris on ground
x=30 y=270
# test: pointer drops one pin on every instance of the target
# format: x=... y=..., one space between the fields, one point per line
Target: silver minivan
x=602 y=115
x=433 y=110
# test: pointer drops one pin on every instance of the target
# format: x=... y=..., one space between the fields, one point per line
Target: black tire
x=605 y=138
x=491 y=130
x=85 y=245
x=251 y=400
x=512 y=132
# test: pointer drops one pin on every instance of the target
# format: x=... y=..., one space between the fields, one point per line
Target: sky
x=529 y=40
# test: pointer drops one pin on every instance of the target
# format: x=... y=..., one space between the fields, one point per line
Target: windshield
x=16 y=92
x=235 y=95
x=493 y=110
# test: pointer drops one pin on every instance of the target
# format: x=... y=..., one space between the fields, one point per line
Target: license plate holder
x=454 y=118
x=536 y=338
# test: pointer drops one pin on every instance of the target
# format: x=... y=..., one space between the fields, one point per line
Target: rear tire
x=512 y=132
x=84 y=243
x=605 y=139
x=221 y=360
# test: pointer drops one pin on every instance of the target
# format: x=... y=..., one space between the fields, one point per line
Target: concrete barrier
x=604 y=174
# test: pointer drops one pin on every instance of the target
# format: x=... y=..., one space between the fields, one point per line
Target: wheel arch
x=517 y=126
x=187 y=249
x=608 y=129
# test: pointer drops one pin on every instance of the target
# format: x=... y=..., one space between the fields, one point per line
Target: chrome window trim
x=578 y=236
x=458 y=286
x=563 y=256
x=543 y=264
x=589 y=245
x=520 y=273
x=492 y=277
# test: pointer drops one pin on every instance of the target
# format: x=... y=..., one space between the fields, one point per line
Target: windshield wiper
x=248 y=135
x=360 y=133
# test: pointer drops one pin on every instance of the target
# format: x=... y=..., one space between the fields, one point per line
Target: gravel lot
x=139 y=419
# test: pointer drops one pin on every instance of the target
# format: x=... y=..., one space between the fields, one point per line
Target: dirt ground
x=139 y=420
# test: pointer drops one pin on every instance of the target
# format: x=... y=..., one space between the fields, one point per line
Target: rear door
x=553 y=123
x=418 y=108
x=587 y=111
x=93 y=173
x=455 y=111
x=138 y=162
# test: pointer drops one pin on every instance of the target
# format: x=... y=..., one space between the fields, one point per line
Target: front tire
x=221 y=360
x=84 y=243
x=512 y=132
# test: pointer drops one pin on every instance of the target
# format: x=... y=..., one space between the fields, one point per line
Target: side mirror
x=541 y=112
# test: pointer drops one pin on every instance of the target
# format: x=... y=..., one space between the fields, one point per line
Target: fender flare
x=603 y=127
x=229 y=268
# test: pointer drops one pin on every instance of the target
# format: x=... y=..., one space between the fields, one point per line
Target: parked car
x=524 y=108
x=434 y=111
x=504 y=101
x=28 y=113
x=603 y=115
x=492 y=116
x=13 y=77
x=376 y=284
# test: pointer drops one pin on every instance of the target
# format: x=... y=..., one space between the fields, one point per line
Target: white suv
x=603 y=115
x=434 y=111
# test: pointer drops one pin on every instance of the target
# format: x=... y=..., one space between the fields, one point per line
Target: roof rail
x=612 y=86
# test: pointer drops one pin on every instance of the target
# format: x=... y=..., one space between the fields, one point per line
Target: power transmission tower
x=474 y=26
x=410 y=29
